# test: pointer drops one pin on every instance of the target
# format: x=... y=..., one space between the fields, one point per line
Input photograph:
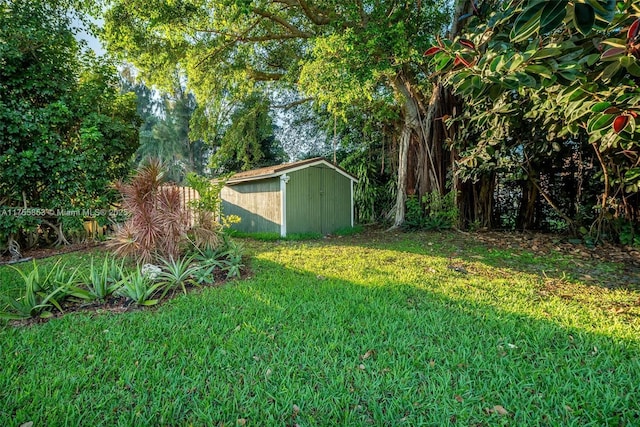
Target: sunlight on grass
x=509 y=290
x=341 y=332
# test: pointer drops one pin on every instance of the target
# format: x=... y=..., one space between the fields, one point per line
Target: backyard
x=378 y=328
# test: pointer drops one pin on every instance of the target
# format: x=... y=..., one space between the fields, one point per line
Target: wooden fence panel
x=187 y=194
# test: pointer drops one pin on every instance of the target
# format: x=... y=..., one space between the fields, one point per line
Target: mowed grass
x=404 y=329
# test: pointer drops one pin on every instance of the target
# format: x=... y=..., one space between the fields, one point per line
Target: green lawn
x=375 y=329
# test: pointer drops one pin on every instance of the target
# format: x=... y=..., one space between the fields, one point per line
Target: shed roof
x=278 y=170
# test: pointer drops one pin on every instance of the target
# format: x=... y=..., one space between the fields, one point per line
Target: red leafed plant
x=432 y=50
x=158 y=223
x=620 y=123
x=633 y=38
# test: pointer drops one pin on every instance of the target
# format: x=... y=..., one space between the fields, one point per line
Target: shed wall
x=256 y=202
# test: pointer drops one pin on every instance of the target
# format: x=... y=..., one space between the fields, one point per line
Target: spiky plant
x=157 y=224
x=173 y=220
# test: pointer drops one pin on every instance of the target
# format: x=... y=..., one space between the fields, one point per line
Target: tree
x=65 y=131
x=338 y=53
x=249 y=141
x=165 y=133
x=566 y=73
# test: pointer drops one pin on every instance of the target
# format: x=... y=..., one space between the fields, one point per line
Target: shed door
x=328 y=197
x=313 y=202
x=315 y=199
x=322 y=200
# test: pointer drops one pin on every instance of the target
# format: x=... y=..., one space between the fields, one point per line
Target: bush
x=102 y=281
x=139 y=288
x=177 y=273
x=158 y=223
x=434 y=212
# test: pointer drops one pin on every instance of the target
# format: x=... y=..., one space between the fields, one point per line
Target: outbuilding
x=309 y=196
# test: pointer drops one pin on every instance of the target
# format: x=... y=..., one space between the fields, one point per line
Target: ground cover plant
x=42 y=289
x=371 y=329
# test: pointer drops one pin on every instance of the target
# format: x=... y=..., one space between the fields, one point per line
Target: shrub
x=158 y=223
x=176 y=273
x=207 y=230
x=102 y=281
x=434 y=212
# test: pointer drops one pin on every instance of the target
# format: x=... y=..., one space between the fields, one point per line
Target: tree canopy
x=545 y=82
x=65 y=130
x=528 y=99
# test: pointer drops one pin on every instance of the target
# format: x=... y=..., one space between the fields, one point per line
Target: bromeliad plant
x=227 y=257
x=230 y=255
x=177 y=274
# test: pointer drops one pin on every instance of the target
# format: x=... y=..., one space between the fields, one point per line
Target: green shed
x=309 y=196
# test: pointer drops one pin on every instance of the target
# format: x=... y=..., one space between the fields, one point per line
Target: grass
x=272 y=237
x=364 y=330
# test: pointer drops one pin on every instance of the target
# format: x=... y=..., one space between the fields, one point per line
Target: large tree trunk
x=403 y=156
x=527 y=211
x=410 y=125
x=424 y=135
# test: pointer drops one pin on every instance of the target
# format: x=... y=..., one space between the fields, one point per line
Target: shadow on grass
x=565 y=275
x=306 y=343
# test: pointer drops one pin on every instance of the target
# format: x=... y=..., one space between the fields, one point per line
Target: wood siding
x=256 y=202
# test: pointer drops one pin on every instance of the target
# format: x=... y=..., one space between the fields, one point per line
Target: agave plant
x=139 y=289
x=102 y=281
x=234 y=268
x=232 y=256
x=227 y=257
x=42 y=292
x=208 y=261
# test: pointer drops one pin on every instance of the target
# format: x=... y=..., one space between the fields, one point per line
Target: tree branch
x=264 y=76
x=313 y=13
x=290 y=105
x=294 y=31
x=215 y=53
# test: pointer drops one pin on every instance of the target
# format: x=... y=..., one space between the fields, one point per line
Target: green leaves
x=177 y=274
x=527 y=23
x=584 y=17
x=65 y=133
x=553 y=14
x=540 y=70
x=546 y=52
x=43 y=291
x=139 y=289
x=600 y=121
x=103 y=281
x=543 y=17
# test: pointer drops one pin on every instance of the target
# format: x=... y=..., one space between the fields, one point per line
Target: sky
x=92 y=41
